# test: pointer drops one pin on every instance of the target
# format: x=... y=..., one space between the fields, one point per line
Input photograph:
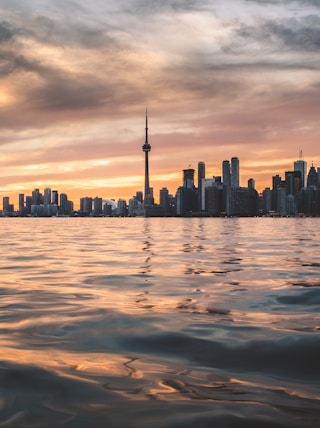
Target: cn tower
x=146 y=149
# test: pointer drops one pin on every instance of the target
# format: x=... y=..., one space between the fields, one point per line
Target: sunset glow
x=220 y=79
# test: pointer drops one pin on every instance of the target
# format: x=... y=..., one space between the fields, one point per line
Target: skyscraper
x=63 y=209
x=251 y=183
x=21 y=202
x=201 y=175
x=146 y=149
x=188 y=178
x=226 y=178
x=47 y=196
x=6 y=203
x=301 y=165
x=312 y=179
x=55 y=197
x=164 y=200
x=36 y=197
x=235 y=172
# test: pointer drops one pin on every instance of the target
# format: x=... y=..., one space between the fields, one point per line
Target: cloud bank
x=220 y=80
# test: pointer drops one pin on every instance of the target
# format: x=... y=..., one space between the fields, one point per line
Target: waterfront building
x=309 y=201
x=214 y=199
x=6 y=204
x=291 y=205
x=242 y=202
x=226 y=176
x=38 y=210
x=85 y=205
x=165 y=200
x=267 y=200
x=21 y=203
x=281 y=207
x=251 y=183
x=28 y=204
x=64 y=207
x=235 y=172
x=276 y=183
x=107 y=210
x=312 y=179
x=133 y=207
x=139 y=196
x=55 y=197
x=301 y=166
x=122 y=208
x=206 y=183
x=97 y=206
x=293 y=182
x=36 y=197
x=47 y=196
x=51 y=210
x=210 y=204
x=186 y=195
x=201 y=176
x=188 y=178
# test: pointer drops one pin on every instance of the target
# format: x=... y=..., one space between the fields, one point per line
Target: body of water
x=141 y=322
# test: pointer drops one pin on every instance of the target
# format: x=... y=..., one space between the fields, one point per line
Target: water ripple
x=181 y=322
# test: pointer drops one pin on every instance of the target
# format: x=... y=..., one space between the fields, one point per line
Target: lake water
x=141 y=322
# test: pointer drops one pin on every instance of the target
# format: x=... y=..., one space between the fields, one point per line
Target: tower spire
x=146 y=149
x=146 y=125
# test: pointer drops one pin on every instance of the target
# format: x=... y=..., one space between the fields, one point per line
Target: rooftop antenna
x=300 y=155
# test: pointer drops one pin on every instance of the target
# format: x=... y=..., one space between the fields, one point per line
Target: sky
x=219 y=78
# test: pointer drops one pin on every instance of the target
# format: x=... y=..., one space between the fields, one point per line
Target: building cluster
x=297 y=194
x=50 y=203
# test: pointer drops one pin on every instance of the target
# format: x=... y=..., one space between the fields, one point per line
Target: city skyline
x=219 y=80
x=295 y=192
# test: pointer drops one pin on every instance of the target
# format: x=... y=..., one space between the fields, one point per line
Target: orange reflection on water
x=69 y=364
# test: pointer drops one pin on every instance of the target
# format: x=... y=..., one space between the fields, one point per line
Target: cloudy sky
x=220 y=79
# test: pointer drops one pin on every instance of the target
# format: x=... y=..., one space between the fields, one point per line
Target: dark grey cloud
x=299 y=3
x=298 y=34
x=154 y=6
x=66 y=32
x=276 y=36
x=6 y=32
x=65 y=93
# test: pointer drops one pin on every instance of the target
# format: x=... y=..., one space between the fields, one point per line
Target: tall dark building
x=301 y=165
x=201 y=175
x=226 y=175
x=97 y=206
x=6 y=203
x=55 y=197
x=186 y=195
x=36 y=197
x=293 y=182
x=85 y=205
x=146 y=149
x=21 y=202
x=276 y=183
x=63 y=209
x=312 y=179
x=235 y=172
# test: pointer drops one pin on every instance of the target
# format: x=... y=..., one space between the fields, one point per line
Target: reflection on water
x=162 y=322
